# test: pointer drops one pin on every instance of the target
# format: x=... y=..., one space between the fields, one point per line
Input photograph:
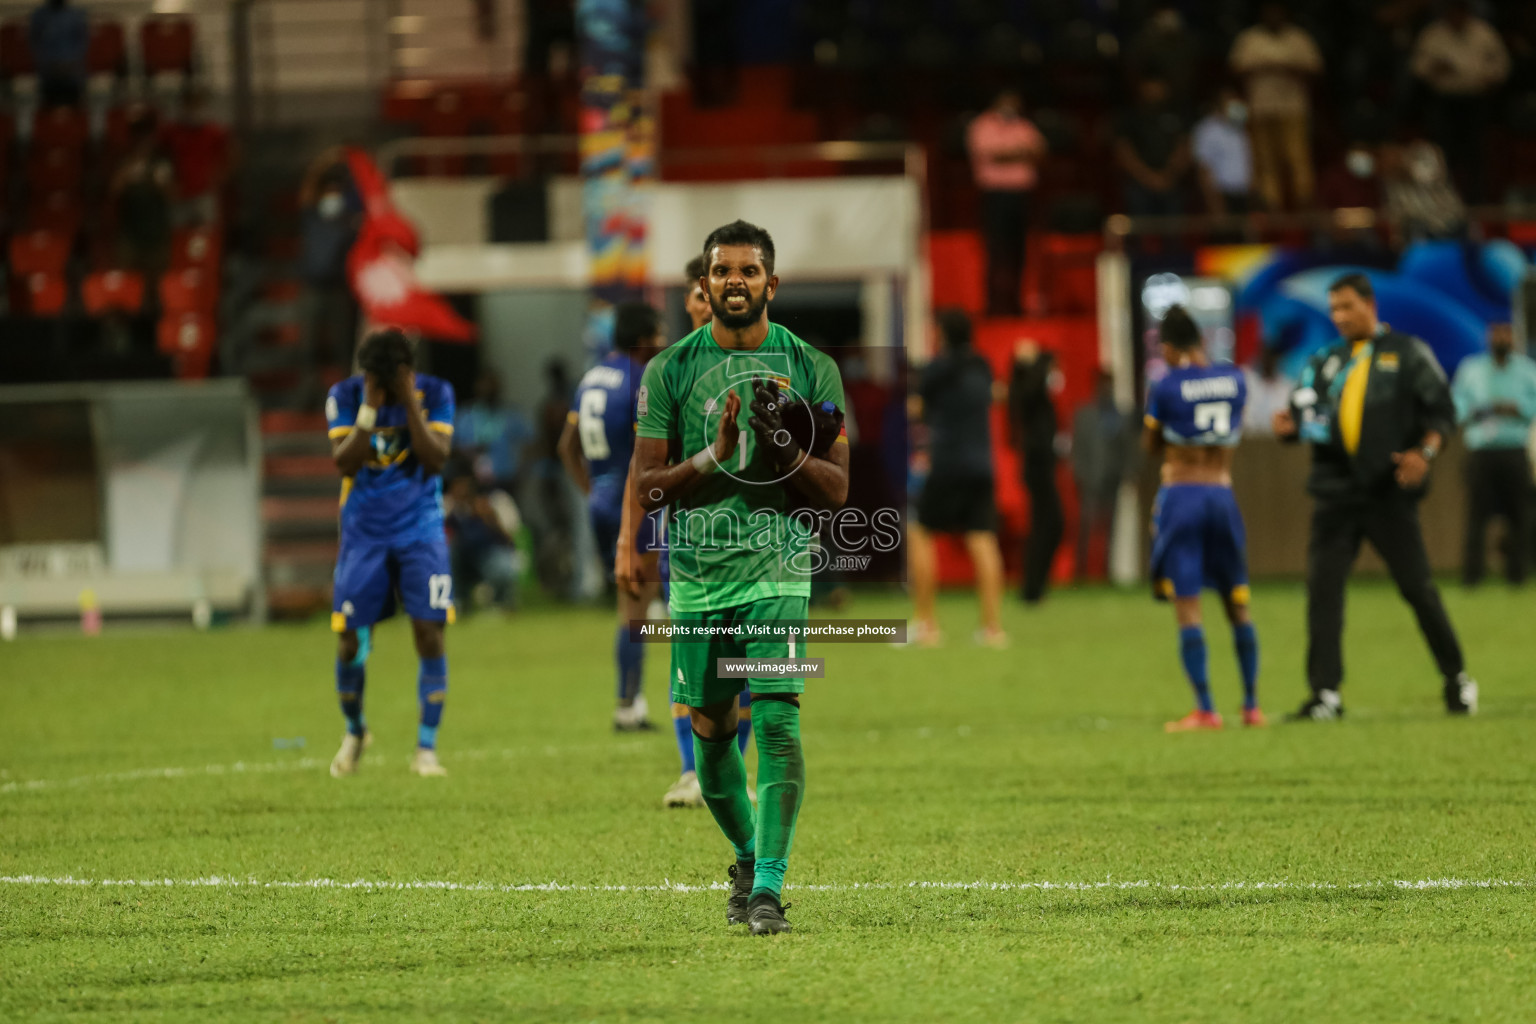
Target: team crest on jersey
x=1386 y=361
x=643 y=400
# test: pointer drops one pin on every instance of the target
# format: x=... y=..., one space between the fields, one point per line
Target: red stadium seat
x=113 y=291
x=57 y=210
x=165 y=43
x=196 y=247
x=15 y=52
x=39 y=252
x=55 y=168
x=188 y=338
x=60 y=128
x=108 y=50
x=40 y=294
x=189 y=290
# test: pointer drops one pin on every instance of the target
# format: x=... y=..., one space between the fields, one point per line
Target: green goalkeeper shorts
x=694 y=681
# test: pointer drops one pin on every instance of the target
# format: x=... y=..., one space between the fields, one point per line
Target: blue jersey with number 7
x=1199 y=406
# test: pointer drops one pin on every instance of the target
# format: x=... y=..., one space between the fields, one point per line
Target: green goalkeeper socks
x=723 y=781
x=780 y=785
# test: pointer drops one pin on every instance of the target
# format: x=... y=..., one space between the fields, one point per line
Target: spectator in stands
x=1421 y=200
x=1006 y=149
x=1495 y=397
x=481 y=526
x=1463 y=61
x=202 y=154
x=1269 y=391
x=1351 y=180
x=494 y=435
x=141 y=194
x=1152 y=150
x=1032 y=417
x=1101 y=441
x=329 y=213
x=1223 y=156
x=1276 y=59
x=59 y=36
x=1165 y=48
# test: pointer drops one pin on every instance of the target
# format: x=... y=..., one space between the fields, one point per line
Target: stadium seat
x=60 y=128
x=39 y=252
x=188 y=290
x=113 y=291
x=108 y=50
x=39 y=294
x=55 y=168
x=165 y=43
x=195 y=247
x=188 y=338
x=15 y=52
x=57 y=210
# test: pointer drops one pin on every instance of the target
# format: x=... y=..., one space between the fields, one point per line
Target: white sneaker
x=1461 y=695
x=352 y=747
x=426 y=764
x=633 y=718
x=993 y=638
x=685 y=792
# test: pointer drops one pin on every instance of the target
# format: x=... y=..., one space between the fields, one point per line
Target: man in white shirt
x=1464 y=63
x=1224 y=156
x=1269 y=391
x=1276 y=59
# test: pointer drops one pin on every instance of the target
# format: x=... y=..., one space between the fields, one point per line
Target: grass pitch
x=152 y=756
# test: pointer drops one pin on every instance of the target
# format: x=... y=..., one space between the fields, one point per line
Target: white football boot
x=351 y=752
x=426 y=764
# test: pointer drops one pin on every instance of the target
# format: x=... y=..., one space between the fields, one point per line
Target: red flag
x=381 y=265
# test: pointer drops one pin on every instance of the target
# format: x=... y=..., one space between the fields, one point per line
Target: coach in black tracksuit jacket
x=1376 y=409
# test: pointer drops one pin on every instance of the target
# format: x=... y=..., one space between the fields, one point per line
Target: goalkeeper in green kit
x=741 y=434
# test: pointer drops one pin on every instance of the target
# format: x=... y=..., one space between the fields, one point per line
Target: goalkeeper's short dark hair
x=384 y=351
x=1179 y=329
x=696 y=269
x=633 y=322
x=739 y=232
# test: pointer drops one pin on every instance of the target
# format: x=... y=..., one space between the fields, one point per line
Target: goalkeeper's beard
x=742 y=320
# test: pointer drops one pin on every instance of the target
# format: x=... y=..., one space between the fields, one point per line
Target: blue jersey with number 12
x=605 y=421
x=1199 y=406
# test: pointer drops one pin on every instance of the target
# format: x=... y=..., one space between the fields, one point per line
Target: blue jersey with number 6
x=604 y=413
x=1199 y=406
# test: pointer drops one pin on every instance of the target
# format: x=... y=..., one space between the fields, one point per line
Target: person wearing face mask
x=1223 y=156
x=1421 y=201
x=1005 y=149
x=330 y=212
x=1351 y=181
x=1495 y=405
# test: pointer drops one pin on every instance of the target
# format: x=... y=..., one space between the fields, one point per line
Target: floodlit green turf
x=1043 y=763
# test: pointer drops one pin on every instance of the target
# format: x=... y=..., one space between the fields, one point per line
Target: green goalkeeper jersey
x=733 y=539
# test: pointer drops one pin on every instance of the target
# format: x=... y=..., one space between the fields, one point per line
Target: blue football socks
x=743 y=720
x=629 y=654
x=1192 y=651
x=1246 y=638
x=431 y=689
x=351 y=676
x=683 y=726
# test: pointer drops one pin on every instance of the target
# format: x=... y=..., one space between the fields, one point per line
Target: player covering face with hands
x=737 y=550
x=390 y=429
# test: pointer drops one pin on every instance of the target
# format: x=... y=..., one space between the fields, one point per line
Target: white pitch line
x=294 y=765
x=226 y=882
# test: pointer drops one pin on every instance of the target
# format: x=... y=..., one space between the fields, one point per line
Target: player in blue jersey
x=596 y=446
x=390 y=430
x=1194 y=421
